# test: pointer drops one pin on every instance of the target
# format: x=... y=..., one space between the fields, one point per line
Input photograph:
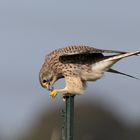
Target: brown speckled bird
x=78 y=64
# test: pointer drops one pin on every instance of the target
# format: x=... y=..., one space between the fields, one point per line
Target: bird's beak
x=45 y=85
x=48 y=86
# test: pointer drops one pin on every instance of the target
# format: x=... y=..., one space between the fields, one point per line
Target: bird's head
x=47 y=79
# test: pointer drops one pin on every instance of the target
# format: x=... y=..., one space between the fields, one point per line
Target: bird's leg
x=56 y=91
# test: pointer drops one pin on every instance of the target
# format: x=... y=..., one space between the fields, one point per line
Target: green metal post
x=69 y=117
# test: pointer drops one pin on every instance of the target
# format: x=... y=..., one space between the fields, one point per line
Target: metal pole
x=69 y=118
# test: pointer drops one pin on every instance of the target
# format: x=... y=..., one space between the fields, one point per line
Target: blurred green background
x=29 y=30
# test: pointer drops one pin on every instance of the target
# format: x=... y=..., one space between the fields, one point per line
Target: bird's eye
x=44 y=81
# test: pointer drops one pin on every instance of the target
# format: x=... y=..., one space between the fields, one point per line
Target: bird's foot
x=64 y=96
x=54 y=93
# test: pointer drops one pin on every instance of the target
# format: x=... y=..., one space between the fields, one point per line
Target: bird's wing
x=86 y=55
x=85 y=50
x=93 y=56
x=81 y=58
x=117 y=72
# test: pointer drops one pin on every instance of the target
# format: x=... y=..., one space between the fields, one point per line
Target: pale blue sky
x=29 y=29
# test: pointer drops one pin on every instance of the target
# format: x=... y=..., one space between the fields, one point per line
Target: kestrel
x=77 y=65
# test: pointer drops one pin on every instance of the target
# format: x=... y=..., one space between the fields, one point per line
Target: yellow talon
x=54 y=93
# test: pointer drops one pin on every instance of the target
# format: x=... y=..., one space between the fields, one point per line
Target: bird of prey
x=77 y=65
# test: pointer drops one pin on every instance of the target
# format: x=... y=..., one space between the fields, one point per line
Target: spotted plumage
x=78 y=64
